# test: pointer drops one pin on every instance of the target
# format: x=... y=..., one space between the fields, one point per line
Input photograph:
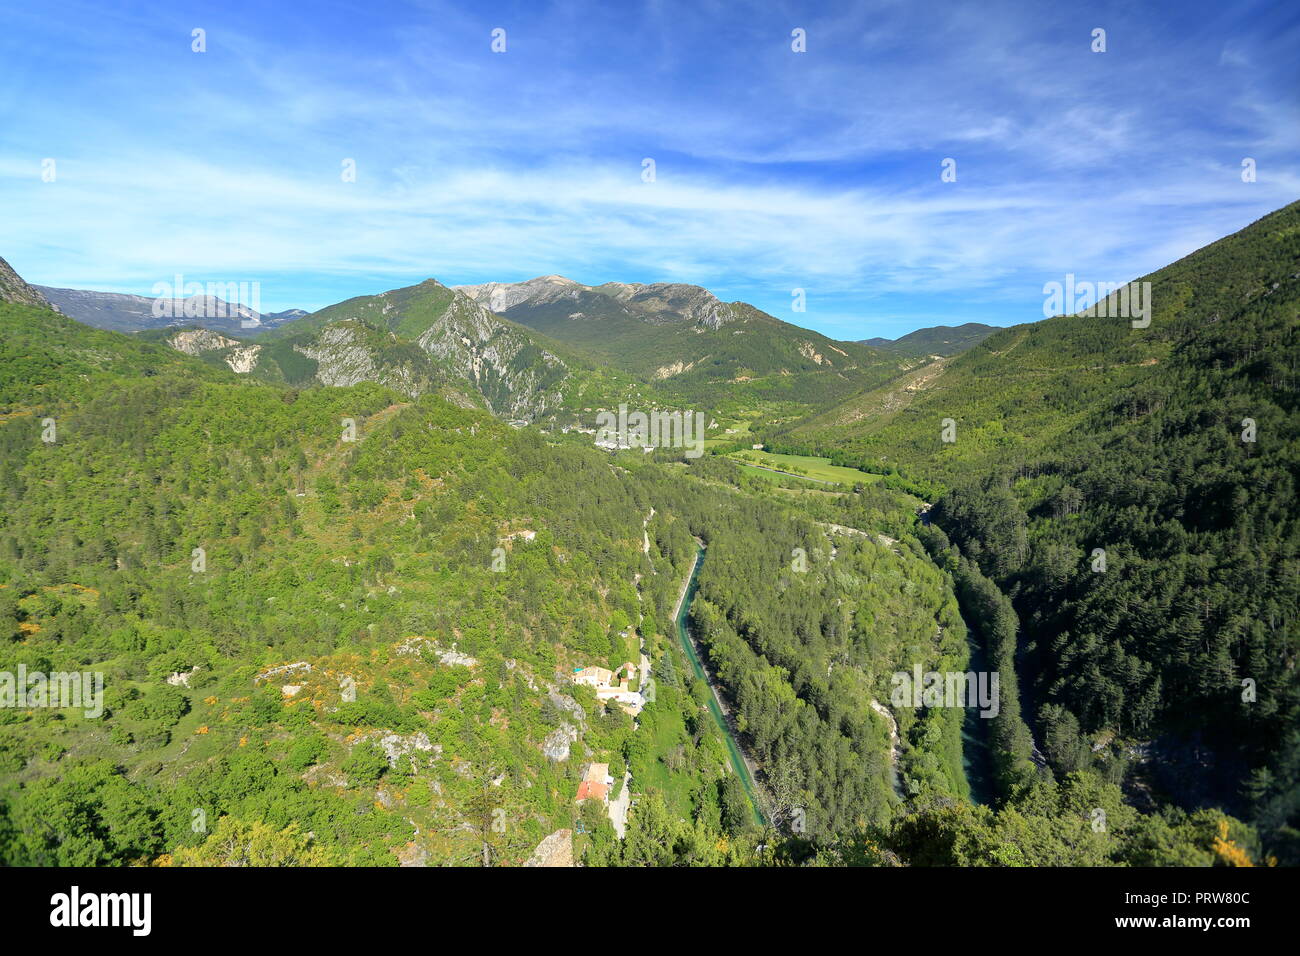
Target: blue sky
x=775 y=170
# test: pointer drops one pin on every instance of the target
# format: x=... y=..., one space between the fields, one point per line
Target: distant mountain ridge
x=943 y=340
x=523 y=348
x=513 y=347
x=656 y=302
x=121 y=312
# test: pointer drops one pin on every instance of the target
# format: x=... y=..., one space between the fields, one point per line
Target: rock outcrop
x=347 y=354
x=198 y=341
x=396 y=746
x=557 y=743
x=502 y=296
x=517 y=378
x=14 y=289
x=554 y=850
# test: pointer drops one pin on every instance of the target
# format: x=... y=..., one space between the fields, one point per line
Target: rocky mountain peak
x=503 y=296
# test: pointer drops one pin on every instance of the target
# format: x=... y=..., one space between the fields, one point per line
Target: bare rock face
x=500 y=296
x=346 y=353
x=413 y=855
x=556 y=745
x=567 y=704
x=515 y=377
x=669 y=301
x=342 y=356
x=239 y=357
x=454 y=658
x=198 y=341
x=182 y=678
x=301 y=667
x=555 y=850
x=395 y=746
x=243 y=358
x=14 y=289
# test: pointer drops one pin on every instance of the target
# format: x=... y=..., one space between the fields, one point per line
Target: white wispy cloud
x=774 y=170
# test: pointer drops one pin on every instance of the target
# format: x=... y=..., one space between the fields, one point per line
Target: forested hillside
x=1133 y=492
x=1021 y=394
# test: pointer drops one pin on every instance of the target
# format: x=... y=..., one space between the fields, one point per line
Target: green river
x=733 y=747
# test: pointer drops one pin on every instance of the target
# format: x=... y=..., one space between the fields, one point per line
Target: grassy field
x=736 y=429
x=804 y=466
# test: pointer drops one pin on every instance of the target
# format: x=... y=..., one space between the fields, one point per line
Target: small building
x=593 y=791
x=630 y=701
x=612 y=685
x=593 y=676
x=595 y=784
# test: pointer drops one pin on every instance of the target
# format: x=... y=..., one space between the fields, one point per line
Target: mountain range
x=120 y=312
x=520 y=348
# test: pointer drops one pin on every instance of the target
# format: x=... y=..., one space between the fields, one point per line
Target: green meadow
x=804 y=466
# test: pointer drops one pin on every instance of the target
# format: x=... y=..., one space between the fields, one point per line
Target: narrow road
x=645 y=533
x=618 y=807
